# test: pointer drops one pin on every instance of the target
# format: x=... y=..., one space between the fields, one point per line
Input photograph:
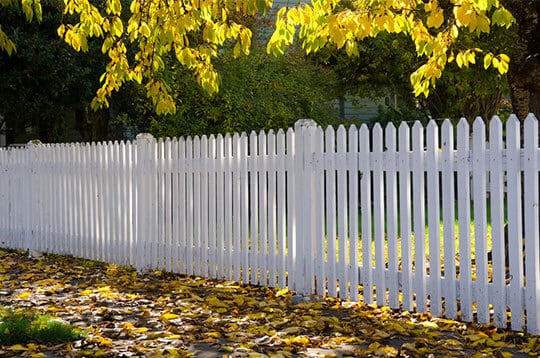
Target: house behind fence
x=381 y=215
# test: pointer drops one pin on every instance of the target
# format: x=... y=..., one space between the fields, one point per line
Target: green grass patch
x=24 y=326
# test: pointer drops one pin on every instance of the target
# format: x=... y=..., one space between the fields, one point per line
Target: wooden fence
x=396 y=216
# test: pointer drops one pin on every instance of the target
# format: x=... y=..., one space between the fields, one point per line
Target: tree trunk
x=524 y=70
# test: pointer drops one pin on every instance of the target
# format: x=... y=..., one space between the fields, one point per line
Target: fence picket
x=331 y=228
x=352 y=164
x=405 y=214
x=272 y=215
x=378 y=213
x=291 y=204
x=433 y=200
x=244 y=206
x=419 y=221
x=281 y=210
x=464 y=220
x=480 y=213
x=183 y=206
x=204 y=165
x=212 y=209
x=220 y=210
x=365 y=203
x=229 y=219
x=254 y=206
x=448 y=205
x=391 y=210
x=263 y=205
x=318 y=206
x=342 y=233
x=496 y=186
x=515 y=230
x=237 y=202
x=532 y=237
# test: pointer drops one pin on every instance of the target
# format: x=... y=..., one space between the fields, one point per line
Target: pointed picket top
x=403 y=126
x=390 y=127
x=329 y=131
x=219 y=146
x=342 y=143
x=364 y=139
x=432 y=134
x=204 y=147
x=404 y=137
x=432 y=124
x=417 y=126
x=531 y=116
x=341 y=130
x=495 y=130
x=531 y=127
x=463 y=122
x=271 y=142
x=418 y=136
x=479 y=126
x=447 y=123
x=390 y=137
x=513 y=132
x=377 y=137
x=377 y=133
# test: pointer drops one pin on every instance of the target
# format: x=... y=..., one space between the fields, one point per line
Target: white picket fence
x=327 y=212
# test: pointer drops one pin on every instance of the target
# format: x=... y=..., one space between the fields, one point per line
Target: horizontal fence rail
x=433 y=219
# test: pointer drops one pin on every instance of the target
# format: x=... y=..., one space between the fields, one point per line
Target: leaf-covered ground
x=163 y=315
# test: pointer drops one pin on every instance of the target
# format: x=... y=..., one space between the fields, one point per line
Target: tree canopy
x=137 y=39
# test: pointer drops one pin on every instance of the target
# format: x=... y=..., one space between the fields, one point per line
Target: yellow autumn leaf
x=169 y=316
x=435 y=18
x=17 y=348
x=102 y=341
x=429 y=324
x=282 y=292
x=24 y=294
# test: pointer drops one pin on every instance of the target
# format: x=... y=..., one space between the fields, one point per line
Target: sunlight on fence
x=356 y=213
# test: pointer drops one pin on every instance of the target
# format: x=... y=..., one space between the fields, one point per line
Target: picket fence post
x=145 y=203
x=304 y=147
x=32 y=204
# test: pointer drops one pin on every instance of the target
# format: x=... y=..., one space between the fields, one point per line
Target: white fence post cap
x=33 y=142
x=144 y=136
x=306 y=122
